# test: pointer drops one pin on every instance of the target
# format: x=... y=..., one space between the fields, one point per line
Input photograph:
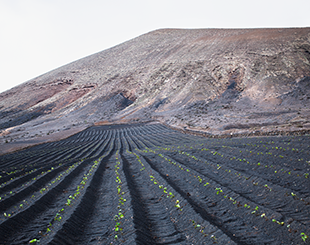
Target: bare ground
x=148 y=184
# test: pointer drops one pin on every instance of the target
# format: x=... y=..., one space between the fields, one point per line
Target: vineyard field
x=149 y=184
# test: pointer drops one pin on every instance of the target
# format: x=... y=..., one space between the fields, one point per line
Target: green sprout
x=304 y=237
x=177 y=205
x=218 y=190
x=213 y=238
x=34 y=240
x=199 y=178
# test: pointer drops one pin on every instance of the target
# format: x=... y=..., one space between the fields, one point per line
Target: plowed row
x=147 y=184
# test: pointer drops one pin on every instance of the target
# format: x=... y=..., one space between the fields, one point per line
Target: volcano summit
x=215 y=81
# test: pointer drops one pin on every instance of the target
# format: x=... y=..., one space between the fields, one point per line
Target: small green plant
x=57 y=217
x=218 y=190
x=199 y=178
x=214 y=238
x=255 y=210
x=247 y=206
x=68 y=202
x=304 y=237
x=278 y=222
x=34 y=240
x=177 y=205
x=267 y=187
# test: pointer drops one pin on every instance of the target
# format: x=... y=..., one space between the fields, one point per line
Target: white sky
x=37 y=36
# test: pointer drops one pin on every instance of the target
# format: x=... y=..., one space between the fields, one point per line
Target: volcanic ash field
x=148 y=184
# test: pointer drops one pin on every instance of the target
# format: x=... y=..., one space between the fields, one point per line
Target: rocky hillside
x=218 y=81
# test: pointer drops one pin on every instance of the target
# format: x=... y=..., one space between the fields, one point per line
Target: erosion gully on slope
x=148 y=184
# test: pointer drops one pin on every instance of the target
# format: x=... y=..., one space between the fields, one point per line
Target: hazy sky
x=37 y=36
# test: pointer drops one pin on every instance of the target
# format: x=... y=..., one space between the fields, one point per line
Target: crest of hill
x=219 y=81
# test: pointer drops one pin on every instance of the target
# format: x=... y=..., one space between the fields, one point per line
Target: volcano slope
x=148 y=184
x=216 y=81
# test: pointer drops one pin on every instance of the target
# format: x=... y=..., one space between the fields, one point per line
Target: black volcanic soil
x=148 y=184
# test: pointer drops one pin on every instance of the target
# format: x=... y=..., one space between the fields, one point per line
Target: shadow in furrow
x=204 y=214
x=300 y=185
x=247 y=192
x=214 y=177
x=144 y=223
x=36 y=186
x=73 y=229
x=21 y=220
x=19 y=180
x=141 y=220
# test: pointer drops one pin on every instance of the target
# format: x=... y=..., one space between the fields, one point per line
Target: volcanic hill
x=215 y=81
